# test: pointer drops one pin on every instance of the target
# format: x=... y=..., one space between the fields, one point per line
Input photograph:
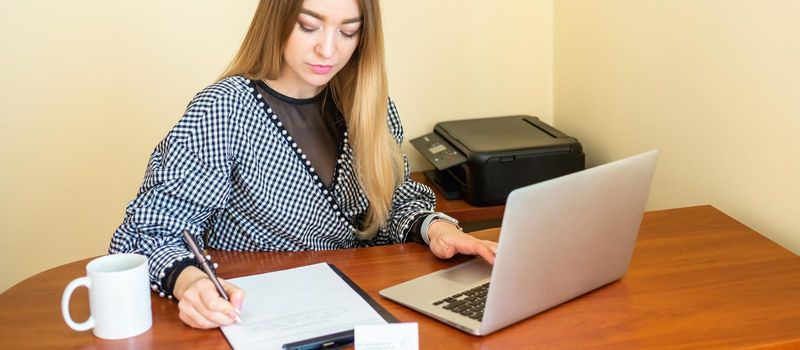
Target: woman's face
x=320 y=45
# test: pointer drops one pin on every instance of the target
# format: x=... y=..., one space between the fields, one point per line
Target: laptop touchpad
x=469 y=272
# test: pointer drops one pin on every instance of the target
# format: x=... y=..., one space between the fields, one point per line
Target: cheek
x=297 y=46
x=347 y=49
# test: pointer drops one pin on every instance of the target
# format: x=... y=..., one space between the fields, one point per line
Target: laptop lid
x=559 y=239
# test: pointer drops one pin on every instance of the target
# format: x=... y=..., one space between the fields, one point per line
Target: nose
x=326 y=46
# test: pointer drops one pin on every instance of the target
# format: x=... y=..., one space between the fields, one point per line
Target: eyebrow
x=322 y=18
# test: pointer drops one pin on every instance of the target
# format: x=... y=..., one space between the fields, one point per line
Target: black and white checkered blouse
x=231 y=172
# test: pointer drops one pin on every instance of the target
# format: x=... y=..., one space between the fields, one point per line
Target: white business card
x=390 y=336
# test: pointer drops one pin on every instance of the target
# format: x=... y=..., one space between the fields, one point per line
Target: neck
x=298 y=92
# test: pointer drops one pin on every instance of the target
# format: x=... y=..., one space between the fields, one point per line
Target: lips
x=320 y=68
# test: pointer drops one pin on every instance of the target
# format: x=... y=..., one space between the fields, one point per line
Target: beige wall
x=460 y=59
x=714 y=85
x=90 y=86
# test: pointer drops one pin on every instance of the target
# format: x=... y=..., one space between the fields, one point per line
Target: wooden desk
x=699 y=279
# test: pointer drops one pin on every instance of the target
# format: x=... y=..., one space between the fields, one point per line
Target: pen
x=206 y=266
x=330 y=341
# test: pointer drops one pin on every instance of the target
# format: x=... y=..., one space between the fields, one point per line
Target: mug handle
x=78 y=282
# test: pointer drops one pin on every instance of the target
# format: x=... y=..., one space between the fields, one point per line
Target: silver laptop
x=559 y=239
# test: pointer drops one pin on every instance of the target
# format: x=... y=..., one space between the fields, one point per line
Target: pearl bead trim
x=272 y=117
x=162 y=274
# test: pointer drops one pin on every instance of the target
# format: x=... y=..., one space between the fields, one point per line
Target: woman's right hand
x=200 y=304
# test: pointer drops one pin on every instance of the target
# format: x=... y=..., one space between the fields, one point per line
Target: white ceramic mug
x=119 y=297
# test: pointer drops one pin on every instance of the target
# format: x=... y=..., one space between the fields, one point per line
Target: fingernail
x=239 y=312
x=238 y=320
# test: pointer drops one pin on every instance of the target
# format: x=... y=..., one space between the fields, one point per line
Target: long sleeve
x=187 y=180
x=411 y=200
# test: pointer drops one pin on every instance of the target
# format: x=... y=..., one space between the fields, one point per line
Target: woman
x=291 y=150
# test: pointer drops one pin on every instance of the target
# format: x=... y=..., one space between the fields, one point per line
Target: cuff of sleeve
x=171 y=275
x=414 y=227
x=415 y=233
x=162 y=261
x=431 y=218
x=426 y=223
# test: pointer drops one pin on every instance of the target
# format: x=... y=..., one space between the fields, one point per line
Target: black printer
x=482 y=160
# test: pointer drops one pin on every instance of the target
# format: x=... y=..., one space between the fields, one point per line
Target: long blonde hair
x=359 y=90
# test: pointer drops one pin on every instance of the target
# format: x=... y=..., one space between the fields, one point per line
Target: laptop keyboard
x=469 y=303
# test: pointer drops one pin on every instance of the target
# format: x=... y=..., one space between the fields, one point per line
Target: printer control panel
x=438 y=151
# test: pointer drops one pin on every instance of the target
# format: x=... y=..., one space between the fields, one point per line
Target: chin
x=318 y=84
x=319 y=80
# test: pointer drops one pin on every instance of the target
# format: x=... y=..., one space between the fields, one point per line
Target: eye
x=306 y=28
x=350 y=31
x=349 y=35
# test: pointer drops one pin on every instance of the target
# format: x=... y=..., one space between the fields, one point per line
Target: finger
x=201 y=297
x=467 y=244
x=485 y=253
x=446 y=251
x=449 y=251
x=189 y=315
x=193 y=302
x=441 y=249
x=214 y=308
x=235 y=295
x=492 y=246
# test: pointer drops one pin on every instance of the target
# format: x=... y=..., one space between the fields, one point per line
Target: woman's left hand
x=446 y=240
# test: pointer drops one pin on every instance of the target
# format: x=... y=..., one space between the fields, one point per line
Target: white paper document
x=291 y=305
x=391 y=336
